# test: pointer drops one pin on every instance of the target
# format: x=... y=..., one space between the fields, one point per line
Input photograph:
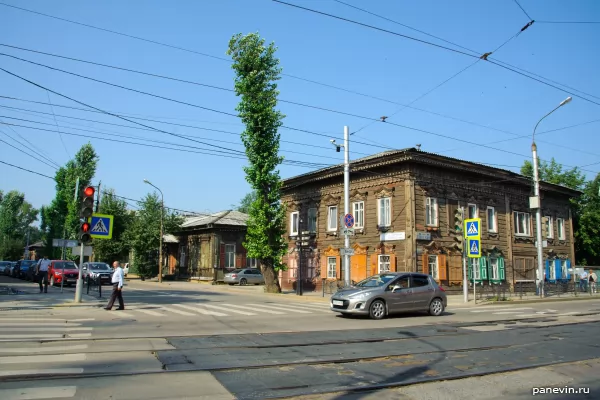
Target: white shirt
x=117 y=276
x=44 y=264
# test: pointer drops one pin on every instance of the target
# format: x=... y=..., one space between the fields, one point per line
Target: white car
x=126 y=269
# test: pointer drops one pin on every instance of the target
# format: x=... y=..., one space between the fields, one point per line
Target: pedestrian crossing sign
x=473 y=228
x=474 y=246
x=102 y=226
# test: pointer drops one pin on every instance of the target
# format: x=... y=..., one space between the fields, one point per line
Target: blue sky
x=310 y=46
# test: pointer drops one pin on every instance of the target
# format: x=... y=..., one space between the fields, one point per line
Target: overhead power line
x=24 y=152
x=568 y=22
x=524 y=12
x=31 y=147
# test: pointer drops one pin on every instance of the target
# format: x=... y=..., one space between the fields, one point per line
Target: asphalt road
x=200 y=342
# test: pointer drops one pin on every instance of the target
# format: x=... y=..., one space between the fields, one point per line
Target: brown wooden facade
x=410 y=202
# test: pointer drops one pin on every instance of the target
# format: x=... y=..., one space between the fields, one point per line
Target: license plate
x=338 y=303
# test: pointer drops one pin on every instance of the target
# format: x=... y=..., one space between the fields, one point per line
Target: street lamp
x=162 y=209
x=536 y=202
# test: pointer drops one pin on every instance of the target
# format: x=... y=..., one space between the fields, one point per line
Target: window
x=312 y=220
x=230 y=256
x=549 y=228
x=472 y=211
x=476 y=271
x=331 y=268
x=495 y=269
x=560 y=227
x=552 y=275
x=332 y=218
x=431 y=211
x=432 y=264
x=251 y=262
x=358 y=210
x=420 y=281
x=563 y=268
x=403 y=282
x=384 y=263
x=385 y=214
x=522 y=223
x=492 y=221
x=294 y=219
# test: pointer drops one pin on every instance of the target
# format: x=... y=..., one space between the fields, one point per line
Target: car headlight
x=360 y=295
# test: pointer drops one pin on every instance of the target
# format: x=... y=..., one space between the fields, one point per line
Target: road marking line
x=33 y=324
x=43 y=349
x=79 y=335
x=82 y=320
x=280 y=308
x=299 y=307
x=49 y=371
x=502 y=309
x=45 y=358
x=254 y=309
x=508 y=312
x=35 y=319
x=37 y=336
x=38 y=393
x=227 y=309
x=201 y=311
x=149 y=312
x=44 y=329
x=173 y=310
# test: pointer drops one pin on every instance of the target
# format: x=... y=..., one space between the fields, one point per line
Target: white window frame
x=433 y=266
x=312 y=220
x=251 y=262
x=476 y=268
x=552 y=269
x=383 y=265
x=386 y=218
x=495 y=267
x=358 y=211
x=549 y=227
x=475 y=212
x=331 y=268
x=493 y=220
x=431 y=211
x=331 y=227
x=564 y=269
x=560 y=227
x=294 y=223
x=229 y=254
x=528 y=227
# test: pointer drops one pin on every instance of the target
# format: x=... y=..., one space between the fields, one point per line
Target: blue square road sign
x=102 y=226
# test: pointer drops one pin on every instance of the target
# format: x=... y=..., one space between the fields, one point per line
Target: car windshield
x=236 y=271
x=28 y=262
x=4 y=263
x=99 y=267
x=376 y=280
x=65 y=265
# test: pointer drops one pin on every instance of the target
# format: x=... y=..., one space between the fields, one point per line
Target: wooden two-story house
x=407 y=204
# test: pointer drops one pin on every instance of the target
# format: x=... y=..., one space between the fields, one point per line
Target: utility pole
x=347 y=279
x=299 y=288
x=464 y=259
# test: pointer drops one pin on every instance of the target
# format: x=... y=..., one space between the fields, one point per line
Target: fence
x=527 y=289
x=94 y=286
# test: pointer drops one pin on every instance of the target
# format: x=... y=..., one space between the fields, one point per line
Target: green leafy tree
x=143 y=234
x=246 y=202
x=116 y=248
x=61 y=218
x=16 y=216
x=257 y=71
x=587 y=222
x=553 y=172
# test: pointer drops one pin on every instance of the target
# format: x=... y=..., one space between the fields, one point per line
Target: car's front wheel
x=377 y=309
x=436 y=307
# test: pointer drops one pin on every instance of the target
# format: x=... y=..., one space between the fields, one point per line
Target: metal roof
x=228 y=217
x=168 y=238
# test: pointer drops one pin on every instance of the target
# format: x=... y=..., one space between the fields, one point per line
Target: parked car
x=23 y=269
x=244 y=276
x=97 y=270
x=63 y=271
x=5 y=267
x=381 y=295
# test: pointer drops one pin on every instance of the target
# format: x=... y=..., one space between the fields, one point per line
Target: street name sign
x=102 y=226
x=347 y=252
x=473 y=228
x=348 y=231
x=64 y=243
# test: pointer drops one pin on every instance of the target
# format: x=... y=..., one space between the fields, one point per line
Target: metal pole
x=62 y=280
x=347 y=279
x=79 y=288
x=464 y=260
x=160 y=260
x=299 y=270
x=538 y=219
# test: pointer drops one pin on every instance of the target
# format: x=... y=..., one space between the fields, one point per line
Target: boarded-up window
x=524 y=268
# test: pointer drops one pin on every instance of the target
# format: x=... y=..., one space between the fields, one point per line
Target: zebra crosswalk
x=19 y=328
x=218 y=309
x=525 y=312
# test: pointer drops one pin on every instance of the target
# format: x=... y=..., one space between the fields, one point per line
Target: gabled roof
x=222 y=218
x=39 y=244
x=168 y=238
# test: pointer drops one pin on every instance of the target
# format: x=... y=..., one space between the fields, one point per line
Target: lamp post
x=536 y=202
x=162 y=209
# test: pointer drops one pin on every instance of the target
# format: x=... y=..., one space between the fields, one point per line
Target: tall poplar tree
x=257 y=71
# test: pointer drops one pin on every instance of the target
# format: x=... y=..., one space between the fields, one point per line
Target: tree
x=552 y=172
x=246 y=202
x=61 y=218
x=257 y=70
x=587 y=233
x=143 y=234
x=16 y=216
x=116 y=248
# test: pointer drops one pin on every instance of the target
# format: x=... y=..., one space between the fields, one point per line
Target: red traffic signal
x=85 y=227
x=89 y=191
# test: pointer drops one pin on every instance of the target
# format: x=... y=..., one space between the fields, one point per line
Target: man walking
x=117 y=281
x=42 y=273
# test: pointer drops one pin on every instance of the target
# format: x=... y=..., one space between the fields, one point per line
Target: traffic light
x=458 y=224
x=87 y=207
x=84 y=232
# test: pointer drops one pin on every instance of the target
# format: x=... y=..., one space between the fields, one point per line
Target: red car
x=60 y=270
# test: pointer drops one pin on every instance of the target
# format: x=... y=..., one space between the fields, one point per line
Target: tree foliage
x=246 y=202
x=143 y=234
x=552 y=172
x=16 y=216
x=61 y=218
x=257 y=71
x=116 y=248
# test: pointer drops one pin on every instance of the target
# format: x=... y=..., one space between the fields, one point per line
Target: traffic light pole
x=464 y=260
x=79 y=288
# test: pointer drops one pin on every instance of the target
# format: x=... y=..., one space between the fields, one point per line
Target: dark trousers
x=116 y=294
x=43 y=279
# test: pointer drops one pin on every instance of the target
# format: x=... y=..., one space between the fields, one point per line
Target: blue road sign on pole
x=474 y=246
x=102 y=226
x=473 y=228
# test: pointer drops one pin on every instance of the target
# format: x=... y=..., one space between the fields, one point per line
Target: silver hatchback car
x=388 y=293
